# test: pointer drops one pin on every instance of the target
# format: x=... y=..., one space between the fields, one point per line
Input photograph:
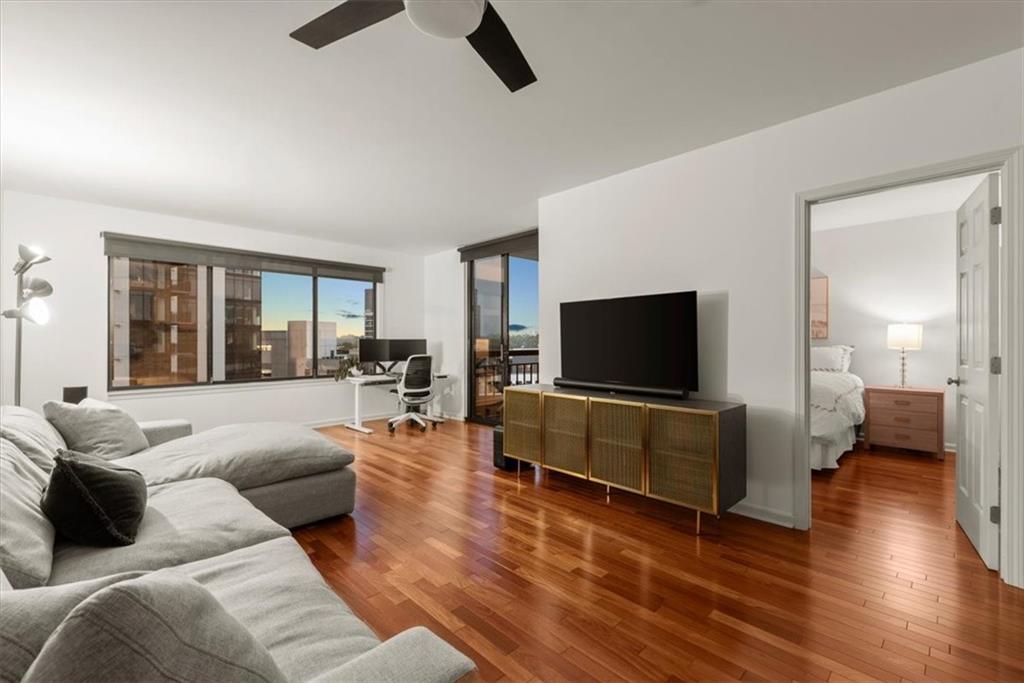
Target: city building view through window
x=175 y=324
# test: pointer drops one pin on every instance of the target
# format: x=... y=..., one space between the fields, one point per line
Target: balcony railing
x=523 y=366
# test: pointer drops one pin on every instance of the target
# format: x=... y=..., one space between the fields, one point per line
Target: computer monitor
x=374 y=351
x=401 y=349
x=387 y=352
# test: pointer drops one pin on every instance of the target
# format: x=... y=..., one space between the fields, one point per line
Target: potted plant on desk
x=347 y=367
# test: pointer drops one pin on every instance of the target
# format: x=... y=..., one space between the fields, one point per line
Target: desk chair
x=415 y=389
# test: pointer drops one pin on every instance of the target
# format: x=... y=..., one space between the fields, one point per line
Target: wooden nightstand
x=905 y=418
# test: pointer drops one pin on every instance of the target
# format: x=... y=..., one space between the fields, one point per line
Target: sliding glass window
x=345 y=313
x=158 y=326
x=174 y=324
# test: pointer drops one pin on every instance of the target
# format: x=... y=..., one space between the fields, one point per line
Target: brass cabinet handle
x=901 y=403
x=902 y=437
x=903 y=420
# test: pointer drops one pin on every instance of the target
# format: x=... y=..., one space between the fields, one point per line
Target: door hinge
x=996 y=215
x=996 y=365
x=993 y=514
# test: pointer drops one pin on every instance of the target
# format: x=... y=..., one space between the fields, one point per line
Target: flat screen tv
x=638 y=344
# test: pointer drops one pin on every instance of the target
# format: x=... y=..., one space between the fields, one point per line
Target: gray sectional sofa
x=218 y=507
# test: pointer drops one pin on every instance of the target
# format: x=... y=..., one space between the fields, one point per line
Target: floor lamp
x=30 y=305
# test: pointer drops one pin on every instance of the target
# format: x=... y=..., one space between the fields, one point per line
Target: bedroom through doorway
x=902 y=295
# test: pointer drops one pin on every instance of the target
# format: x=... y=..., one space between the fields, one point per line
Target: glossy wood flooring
x=542 y=579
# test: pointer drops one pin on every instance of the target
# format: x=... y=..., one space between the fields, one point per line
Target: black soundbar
x=620 y=388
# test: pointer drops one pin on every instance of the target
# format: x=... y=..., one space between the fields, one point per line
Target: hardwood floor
x=542 y=579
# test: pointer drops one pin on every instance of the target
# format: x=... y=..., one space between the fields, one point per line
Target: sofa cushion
x=246 y=455
x=92 y=502
x=32 y=433
x=416 y=654
x=97 y=428
x=158 y=627
x=184 y=521
x=26 y=535
x=30 y=615
x=279 y=596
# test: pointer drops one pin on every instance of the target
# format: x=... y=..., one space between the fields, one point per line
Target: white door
x=977 y=415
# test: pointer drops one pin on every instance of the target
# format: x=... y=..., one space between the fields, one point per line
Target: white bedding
x=837 y=405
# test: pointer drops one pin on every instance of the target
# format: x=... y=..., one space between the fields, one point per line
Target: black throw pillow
x=92 y=502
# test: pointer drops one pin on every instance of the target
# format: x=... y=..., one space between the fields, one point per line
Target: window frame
x=210 y=382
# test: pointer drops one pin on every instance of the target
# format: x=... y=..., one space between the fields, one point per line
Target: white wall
x=72 y=349
x=894 y=271
x=721 y=220
x=444 y=293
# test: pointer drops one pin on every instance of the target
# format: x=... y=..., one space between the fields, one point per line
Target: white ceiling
x=394 y=139
x=925 y=199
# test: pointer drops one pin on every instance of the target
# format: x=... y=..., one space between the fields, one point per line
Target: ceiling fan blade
x=495 y=44
x=344 y=20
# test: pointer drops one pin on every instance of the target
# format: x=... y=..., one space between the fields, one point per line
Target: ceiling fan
x=475 y=20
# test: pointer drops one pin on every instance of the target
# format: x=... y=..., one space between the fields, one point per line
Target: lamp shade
x=35 y=288
x=908 y=336
x=28 y=257
x=34 y=310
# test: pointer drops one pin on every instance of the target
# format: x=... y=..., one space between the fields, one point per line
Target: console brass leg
x=607 y=494
x=698 y=522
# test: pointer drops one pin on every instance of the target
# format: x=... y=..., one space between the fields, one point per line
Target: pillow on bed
x=831 y=358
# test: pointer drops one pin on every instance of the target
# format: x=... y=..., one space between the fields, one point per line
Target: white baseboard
x=763 y=514
x=345 y=420
x=366 y=418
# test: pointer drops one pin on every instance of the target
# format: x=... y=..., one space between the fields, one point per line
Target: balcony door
x=503 y=335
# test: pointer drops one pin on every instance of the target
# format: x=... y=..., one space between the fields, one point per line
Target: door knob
x=953 y=380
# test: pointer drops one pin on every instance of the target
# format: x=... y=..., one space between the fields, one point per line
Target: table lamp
x=905 y=337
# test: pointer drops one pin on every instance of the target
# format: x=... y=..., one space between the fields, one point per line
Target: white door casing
x=978 y=437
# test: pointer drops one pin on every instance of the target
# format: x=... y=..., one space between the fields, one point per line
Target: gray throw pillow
x=32 y=434
x=30 y=615
x=159 y=627
x=97 y=428
x=26 y=535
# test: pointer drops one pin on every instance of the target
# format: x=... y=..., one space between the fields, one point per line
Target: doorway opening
x=899 y=318
x=503 y=327
x=909 y=311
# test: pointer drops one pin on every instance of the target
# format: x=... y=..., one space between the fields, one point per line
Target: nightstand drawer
x=903 y=419
x=913 y=403
x=915 y=439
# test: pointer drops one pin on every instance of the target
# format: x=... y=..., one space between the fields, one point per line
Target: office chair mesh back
x=417 y=373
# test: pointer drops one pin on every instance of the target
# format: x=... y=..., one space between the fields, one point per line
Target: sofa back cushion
x=97 y=428
x=158 y=627
x=32 y=434
x=26 y=535
x=29 y=616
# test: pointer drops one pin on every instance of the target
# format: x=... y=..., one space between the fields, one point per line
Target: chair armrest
x=413 y=655
x=162 y=431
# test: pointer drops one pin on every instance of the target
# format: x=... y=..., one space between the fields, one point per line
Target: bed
x=837 y=406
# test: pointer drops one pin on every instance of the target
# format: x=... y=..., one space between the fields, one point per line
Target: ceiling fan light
x=446 y=18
